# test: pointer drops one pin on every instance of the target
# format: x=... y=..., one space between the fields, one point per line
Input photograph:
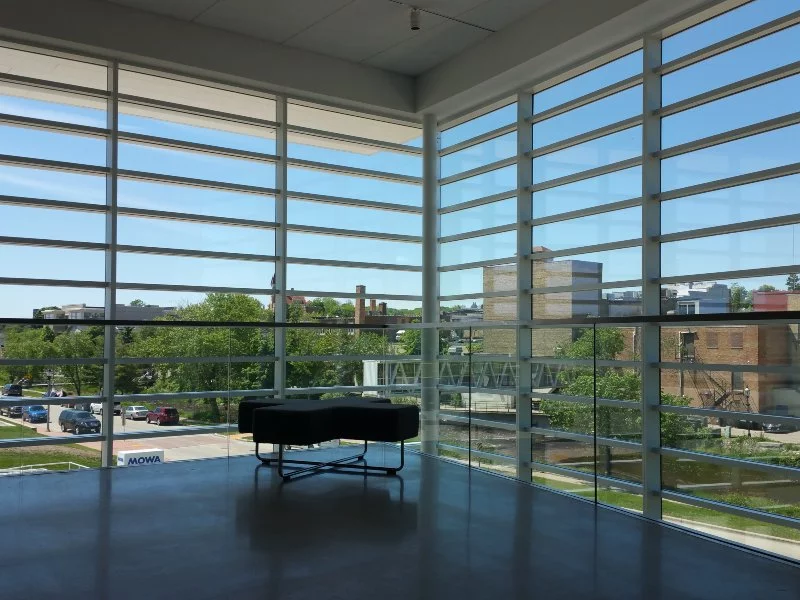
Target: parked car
x=163 y=415
x=779 y=428
x=136 y=412
x=78 y=421
x=11 y=390
x=97 y=408
x=35 y=414
x=11 y=411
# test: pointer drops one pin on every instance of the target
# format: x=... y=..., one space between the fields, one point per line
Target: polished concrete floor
x=211 y=529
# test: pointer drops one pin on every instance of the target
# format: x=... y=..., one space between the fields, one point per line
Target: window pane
x=194 y=200
x=497 y=278
x=760 y=200
x=335 y=152
x=328 y=247
x=322 y=214
x=771 y=247
x=197 y=165
x=478 y=155
x=589 y=155
x=479 y=186
x=52 y=263
x=617 y=70
x=600 y=113
x=622 y=302
x=591 y=268
x=498 y=245
x=595 y=229
x=765 y=102
x=15 y=221
x=474 y=127
x=19 y=301
x=136 y=118
x=50 y=145
x=196 y=95
x=755 y=153
x=167 y=233
x=588 y=193
x=51 y=68
x=150 y=268
x=52 y=105
x=767 y=53
x=759 y=294
x=327 y=183
x=345 y=280
x=52 y=185
x=480 y=217
x=333 y=121
x=726 y=25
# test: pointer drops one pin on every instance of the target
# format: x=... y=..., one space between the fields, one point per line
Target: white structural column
x=524 y=283
x=110 y=305
x=279 y=292
x=430 y=285
x=651 y=273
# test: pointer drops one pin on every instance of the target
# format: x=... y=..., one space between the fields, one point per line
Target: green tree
x=76 y=345
x=741 y=300
x=137 y=302
x=27 y=343
x=793 y=282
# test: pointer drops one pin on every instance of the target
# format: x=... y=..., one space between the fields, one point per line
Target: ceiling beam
x=113 y=31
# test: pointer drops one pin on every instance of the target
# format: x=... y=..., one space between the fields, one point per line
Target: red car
x=163 y=416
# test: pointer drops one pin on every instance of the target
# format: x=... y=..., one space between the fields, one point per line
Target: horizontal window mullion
x=730 y=89
x=72 y=128
x=50 y=441
x=164 y=287
x=629 y=486
x=194 y=182
x=47 y=243
x=476 y=453
x=55 y=165
x=53 y=85
x=738 y=274
x=586 y=438
x=586 y=137
x=354 y=295
x=588 y=174
x=585 y=212
x=730 y=43
x=193 y=360
x=499 y=164
x=356 y=233
x=475 y=421
x=729 y=136
x=353 y=139
x=352 y=264
x=351 y=388
x=194 y=253
x=480 y=294
x=180 y=430
x=727 y=461
x=53 y=204
x=584 y=362
x=461 y=358
x=628 y=404
x=165 y=396
x=331 y=168
x=477 y=202
x=47 y=400
x=31 y=281
x=731 y=228
x=465 y=389
x=730 y=182
x=748 y=513
x=479 y=139
x=726 y=367
x=202 y=112
x=728 y=414
x=339 y=357
x=480 y=325
x=604 y=92
x=45 y=362
x=586 y=287
x=633 y=243
x=478 y=263
x=478 y=233
x=147 y=213
x=373 y=204
x=160 y=142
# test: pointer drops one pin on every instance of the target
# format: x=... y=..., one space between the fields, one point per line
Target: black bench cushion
x=296 y=423
x=246 y=408
x=376 y=422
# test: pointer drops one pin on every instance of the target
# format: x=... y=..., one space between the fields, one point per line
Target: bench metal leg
x=339 y=466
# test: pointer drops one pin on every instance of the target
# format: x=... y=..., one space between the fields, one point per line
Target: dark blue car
x=35 y=414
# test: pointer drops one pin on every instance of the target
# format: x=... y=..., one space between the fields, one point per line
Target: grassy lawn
x=15 y=457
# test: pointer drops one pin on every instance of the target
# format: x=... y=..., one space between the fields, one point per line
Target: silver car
x=135 y=412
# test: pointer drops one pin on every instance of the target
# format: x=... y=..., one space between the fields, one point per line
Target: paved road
x=185 y=447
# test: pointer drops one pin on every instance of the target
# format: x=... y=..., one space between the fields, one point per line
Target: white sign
x=135 y=458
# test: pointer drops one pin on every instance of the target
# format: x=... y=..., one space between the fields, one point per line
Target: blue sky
x=766 y=248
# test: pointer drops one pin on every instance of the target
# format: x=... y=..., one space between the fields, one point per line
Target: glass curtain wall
x=657 y=185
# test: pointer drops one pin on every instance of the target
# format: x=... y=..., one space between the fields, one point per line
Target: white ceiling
x=371 y=32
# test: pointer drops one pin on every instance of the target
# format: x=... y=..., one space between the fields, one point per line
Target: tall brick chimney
x=382 y=309
x=373 y=307
x=360 y=305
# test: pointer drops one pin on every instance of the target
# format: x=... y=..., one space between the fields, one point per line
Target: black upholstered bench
x=306 y=422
